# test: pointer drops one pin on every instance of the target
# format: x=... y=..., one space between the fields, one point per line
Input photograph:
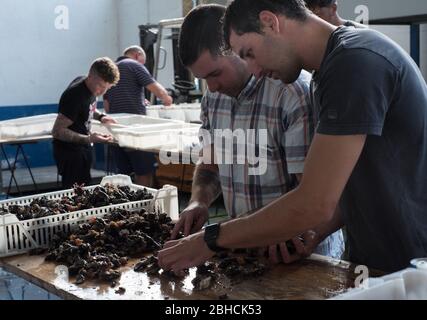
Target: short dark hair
x=200 y=31
x=311 y=4
x=106 y=69
x=243 y=15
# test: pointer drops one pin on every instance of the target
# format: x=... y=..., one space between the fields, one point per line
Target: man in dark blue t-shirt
x=128 y=97
x=367 y=165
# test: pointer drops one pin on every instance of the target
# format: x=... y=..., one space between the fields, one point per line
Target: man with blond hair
x=128 y=97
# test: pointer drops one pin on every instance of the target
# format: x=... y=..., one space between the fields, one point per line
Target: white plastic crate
x=150 y=137
x=408 y=284
x=188 y=137
x=126 y=120
x=18 y=237
x=175 y=113
x=188 y=112
x=21 y=128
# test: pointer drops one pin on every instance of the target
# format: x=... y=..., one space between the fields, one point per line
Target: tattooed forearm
x=61 y=131
x=206 y=184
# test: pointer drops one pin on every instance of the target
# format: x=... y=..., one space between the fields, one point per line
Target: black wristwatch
x=211 y=236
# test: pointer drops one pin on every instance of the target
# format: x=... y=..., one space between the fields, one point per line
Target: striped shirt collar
x=250 y=89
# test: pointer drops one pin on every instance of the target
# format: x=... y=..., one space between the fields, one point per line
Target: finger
x=286 y=256
x=284 y=252
x=190 y=262
x=177 y=229
x=188 y=223
x=170 y=244
x=309 y=238
x=272 y=254
x=197 y=226
x=162 y=259
x=299 y=246
x=166 y=255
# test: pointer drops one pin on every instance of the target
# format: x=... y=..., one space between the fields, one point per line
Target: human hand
x=184 y=253
x=100 y=138
x=108 y=120
x=191 y=220
x=167 y=101
x=293 y=250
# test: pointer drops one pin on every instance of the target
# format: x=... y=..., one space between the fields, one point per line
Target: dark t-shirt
x=78 y=104
x=368 y=85
x=349 y=23
x=128 y=95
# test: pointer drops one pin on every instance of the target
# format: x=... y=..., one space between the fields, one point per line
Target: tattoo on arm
x=62 y=132
x=206 y=185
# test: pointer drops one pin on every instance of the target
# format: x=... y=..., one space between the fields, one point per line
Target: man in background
x=128 y=97
x=72 y=129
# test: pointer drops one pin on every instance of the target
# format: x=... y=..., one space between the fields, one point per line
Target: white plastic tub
x=408 y=284
x=172 y=113
x=152 y=137
x=126 y=120
x=22 y=128
x=188 y=112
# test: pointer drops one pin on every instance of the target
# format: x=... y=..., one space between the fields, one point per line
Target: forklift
x=186 y=89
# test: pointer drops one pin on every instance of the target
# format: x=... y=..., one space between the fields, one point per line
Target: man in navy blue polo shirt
x=128 y=97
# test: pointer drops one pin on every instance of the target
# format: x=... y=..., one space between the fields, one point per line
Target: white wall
x=400 y=34
x=38 y=60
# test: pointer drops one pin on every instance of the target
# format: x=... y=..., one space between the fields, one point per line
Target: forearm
x=328 y=228
x=62 y=132
x=161 y=93
x=281 y=220
x=158 y=90
x=106 y=105
x=67 y=135
x=206 y=185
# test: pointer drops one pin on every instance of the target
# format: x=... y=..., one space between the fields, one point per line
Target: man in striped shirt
x=128 y=97
x=256 y=107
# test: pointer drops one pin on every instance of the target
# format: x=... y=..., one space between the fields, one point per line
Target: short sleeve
x=69 y=106
x=143 y=75
x=354 y=93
